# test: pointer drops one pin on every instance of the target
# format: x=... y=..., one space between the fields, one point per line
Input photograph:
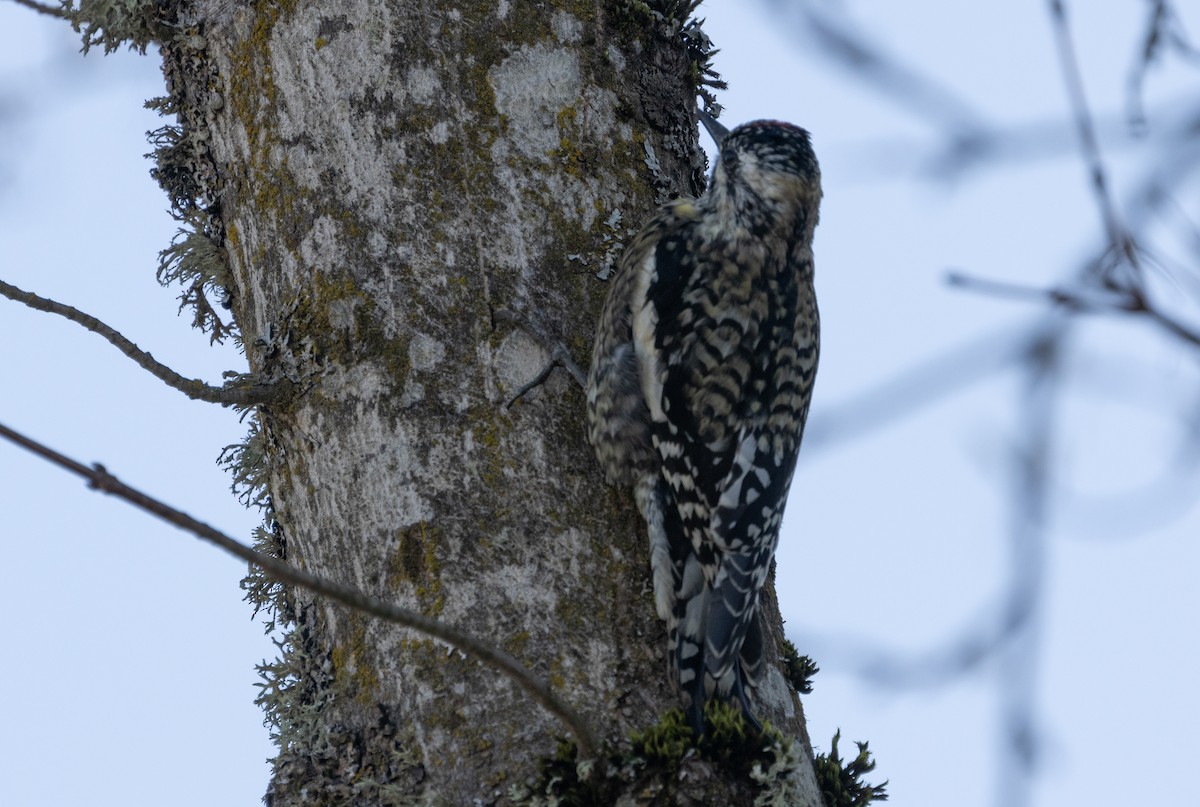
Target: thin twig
x=1030 y=509
x=1152 y=41
x=240 y=393
x=892 y=77
x=901 y=395
x=1131 y=301
x=1172 y=325
x=282 y=572
x=1163 y=31
x=41 y=8
x=1076 y=300
x=1117 y=235
x=1011 y=619
x=560 y=356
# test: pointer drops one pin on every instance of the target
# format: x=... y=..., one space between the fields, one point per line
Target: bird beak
x=715 y=130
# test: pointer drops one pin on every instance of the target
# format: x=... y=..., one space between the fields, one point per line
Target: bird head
x=766 y=174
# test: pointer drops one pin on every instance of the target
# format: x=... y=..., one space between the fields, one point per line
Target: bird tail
x=733 y=635
x=715 y=640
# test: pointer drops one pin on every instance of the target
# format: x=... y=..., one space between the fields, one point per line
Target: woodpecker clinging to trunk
x=701 y=377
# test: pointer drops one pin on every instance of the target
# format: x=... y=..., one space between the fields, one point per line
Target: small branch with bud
x=99 y=478
x=243 y=391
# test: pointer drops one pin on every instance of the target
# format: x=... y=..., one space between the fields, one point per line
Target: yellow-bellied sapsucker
x=701 y=376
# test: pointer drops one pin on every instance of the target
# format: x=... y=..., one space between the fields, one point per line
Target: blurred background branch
x=1145 y=267
x=42 y=8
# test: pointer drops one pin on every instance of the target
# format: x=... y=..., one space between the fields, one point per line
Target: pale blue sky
x=130 y=663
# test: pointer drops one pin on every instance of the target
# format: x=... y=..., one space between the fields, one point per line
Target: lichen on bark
x=377 y=181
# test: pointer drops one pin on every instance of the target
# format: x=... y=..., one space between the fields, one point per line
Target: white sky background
x=128 y=668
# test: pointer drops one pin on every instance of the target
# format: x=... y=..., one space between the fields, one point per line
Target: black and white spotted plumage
x=701 y=377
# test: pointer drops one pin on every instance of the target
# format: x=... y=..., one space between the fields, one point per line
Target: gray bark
x=389 y=175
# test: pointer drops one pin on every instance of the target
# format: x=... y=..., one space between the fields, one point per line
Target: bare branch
x=1080 y=300
x=960 y=655
x=916 y=387
x=1009 y=622
x=1152 y=43
x=1128 y=301
x=894 y=79
x=560 y=355
x=242 y=392
x=1163 y=31
x=42 y=8
x=282 y=572
x=1169 y=323
x=1090 y=147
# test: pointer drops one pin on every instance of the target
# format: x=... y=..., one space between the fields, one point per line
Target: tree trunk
x=385 y=178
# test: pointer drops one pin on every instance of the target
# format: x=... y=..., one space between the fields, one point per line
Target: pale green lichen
x=262 y=592
x=200 y=265
x=321 y=762
x=112 y=23
x=246 y=462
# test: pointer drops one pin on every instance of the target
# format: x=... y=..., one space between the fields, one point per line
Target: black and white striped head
x=766 y=173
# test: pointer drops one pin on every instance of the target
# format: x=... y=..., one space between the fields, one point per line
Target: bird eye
x=729 y=159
